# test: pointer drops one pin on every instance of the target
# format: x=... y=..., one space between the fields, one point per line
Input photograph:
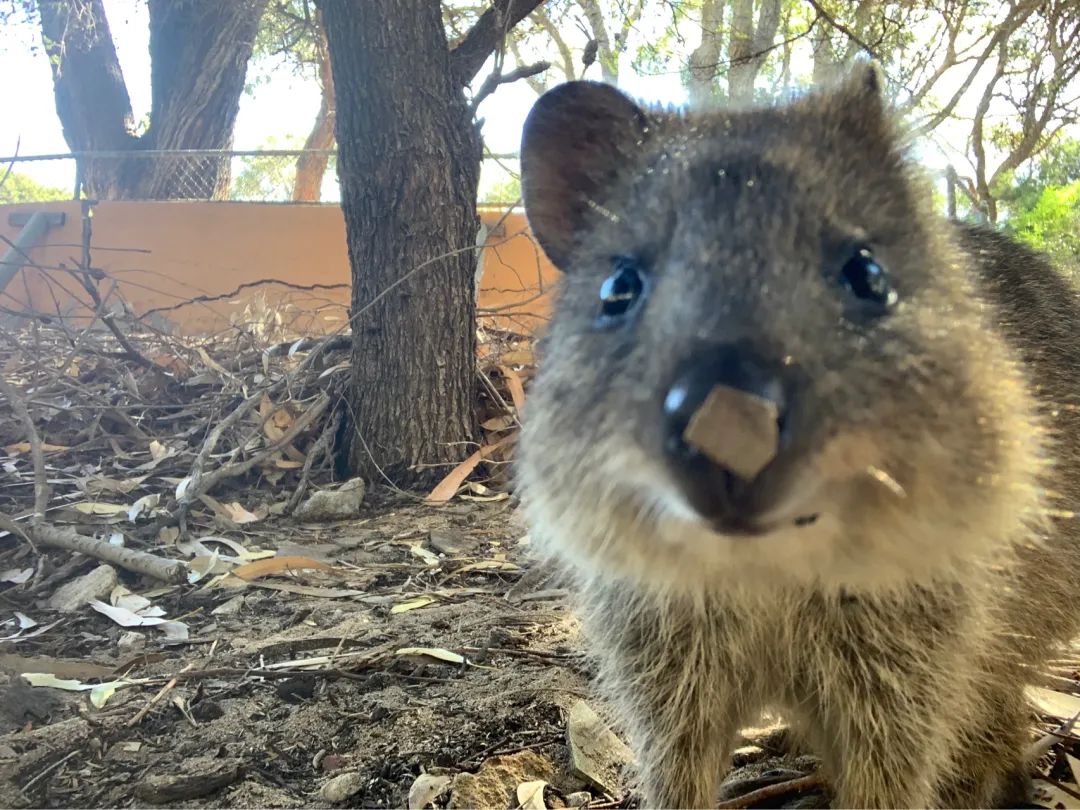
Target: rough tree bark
x=749 y=45
x=307 y=187
x=704 y=61
x=199 y=50
x=409 y=162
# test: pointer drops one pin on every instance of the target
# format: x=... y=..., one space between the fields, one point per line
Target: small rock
x=451 y=543
x=131 y=642
x=578 y=798
x=596 y=754
x=231 y=607
x=495 y=784
x=73 y=596
x=333 y=504
x=341 y=787
x=425 y=789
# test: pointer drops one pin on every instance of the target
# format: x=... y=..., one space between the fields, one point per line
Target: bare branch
x=469 y=55
x=37 y=455
x=492 y=82
x=565 y=54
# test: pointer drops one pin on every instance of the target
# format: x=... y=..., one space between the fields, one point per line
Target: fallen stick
x=800 y=785
x=139 y=562
x=317 y=451
x=41 y=484
x=210 y=480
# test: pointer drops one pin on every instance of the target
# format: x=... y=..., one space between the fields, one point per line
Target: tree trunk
x=91 y=98
x=307 y=187
x=705 y=59
x=408 y=163
x=606 y=55
x=749 y=45
x=199 y=50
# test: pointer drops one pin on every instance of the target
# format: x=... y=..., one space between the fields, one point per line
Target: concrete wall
x=162 y=254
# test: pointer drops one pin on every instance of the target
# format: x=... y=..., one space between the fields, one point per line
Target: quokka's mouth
x=781 y=496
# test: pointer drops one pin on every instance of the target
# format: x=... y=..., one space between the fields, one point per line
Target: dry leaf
x=413 y=604
x=498 y=423
x=1056 y=704
x=123 y=598
x=100 y=508
x=518 y=357
x=147 y=503
x=102 y=485
x=212 y=363
x=24 y=447
x=448 y=487
x=16 y=576
x=158 y=451
x=21 y=635
x=513 y=382
x=308 y=590
x=175 y=632
x=278 y=565
x=238 y=514
x=530 y=795
x=425 y=789
x=343 y=366
x=428 y=557
x=124 y=617
x=437 y=653
x=204 y=565
x=198 y=547
x=99 y=692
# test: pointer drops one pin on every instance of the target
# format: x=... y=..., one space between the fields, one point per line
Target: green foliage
x=1052 y=224
x=18 y=188
x=288 y=35
x=506 y=190
x=1044 y=205
x=267 y=178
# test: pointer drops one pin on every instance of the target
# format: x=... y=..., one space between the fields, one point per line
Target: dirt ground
x=278 y=731
x=298 y=688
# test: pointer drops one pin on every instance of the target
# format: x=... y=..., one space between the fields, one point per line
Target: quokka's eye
x=867 y=280
x=622 y=291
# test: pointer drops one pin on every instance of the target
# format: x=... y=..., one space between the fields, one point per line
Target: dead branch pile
x=120 y=443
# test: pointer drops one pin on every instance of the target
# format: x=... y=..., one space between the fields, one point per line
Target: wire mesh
x=263 y=175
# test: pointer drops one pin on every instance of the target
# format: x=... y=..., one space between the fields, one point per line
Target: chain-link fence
x=264 y=175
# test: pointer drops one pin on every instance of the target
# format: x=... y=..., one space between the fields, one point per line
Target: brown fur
x=897 y=631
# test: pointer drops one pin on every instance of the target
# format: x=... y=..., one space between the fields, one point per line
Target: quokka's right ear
x=576 y=138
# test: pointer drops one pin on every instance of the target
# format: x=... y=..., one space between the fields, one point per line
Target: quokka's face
x=780 y=255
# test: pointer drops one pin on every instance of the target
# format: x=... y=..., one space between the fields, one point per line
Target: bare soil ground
x=295 y=685
x=242 y=704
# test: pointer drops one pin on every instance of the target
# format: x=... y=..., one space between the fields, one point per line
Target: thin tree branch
x=469 y=55
x=492 y=82
x=37 y=455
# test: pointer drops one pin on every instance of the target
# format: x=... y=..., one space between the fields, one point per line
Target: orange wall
x=164 y=253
